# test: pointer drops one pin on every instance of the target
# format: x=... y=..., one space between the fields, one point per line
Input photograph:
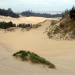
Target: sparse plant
x=36 y=26
x=34 y=58
x=25 y=25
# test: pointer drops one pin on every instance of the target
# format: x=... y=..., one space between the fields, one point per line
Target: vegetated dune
x=64 y=29
x=61 y=53
x=48 y=22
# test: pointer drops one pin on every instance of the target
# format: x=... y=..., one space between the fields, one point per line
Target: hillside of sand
x=26 y=20
x=61 y=53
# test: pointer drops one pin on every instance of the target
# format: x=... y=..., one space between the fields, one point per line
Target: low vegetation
x=5 y=25
x=36 y=25
x=28 y=26
x=34 y=58
x=25 y=25
x=11 y=26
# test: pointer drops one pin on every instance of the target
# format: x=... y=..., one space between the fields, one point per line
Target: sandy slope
x=30 y=20
x=27 y=20
x=61 y=53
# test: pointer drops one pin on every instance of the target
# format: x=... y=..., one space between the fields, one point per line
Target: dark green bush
x=25 y=25
x=22 y=54
x=5 y=25
x=8 y=12
x=34 y=58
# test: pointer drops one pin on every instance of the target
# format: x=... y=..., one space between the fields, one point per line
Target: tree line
x=11 y=13
x=70 y=13
x=30 y=13
x=8 y=12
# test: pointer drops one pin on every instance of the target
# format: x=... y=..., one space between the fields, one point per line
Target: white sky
x=37 y=5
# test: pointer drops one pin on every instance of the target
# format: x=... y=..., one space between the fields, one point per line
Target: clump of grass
x=36 y=26
x=25 y=25
x=65 y=29
x=53 y=22
x=34 y=58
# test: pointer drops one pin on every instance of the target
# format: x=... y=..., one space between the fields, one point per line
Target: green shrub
x=5 y=25
x=25 y=25
x=22 y=54
x=34 y=58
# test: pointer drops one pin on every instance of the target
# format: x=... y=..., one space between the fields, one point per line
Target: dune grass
x=64 y=30
x=34 y=58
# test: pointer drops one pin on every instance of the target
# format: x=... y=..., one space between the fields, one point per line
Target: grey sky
x=37 y=5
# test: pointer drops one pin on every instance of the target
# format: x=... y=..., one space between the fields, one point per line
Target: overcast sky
x=37 y=5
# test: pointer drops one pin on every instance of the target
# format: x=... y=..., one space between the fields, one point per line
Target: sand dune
x=27 y=20
x=30 y=20
x=61 y=53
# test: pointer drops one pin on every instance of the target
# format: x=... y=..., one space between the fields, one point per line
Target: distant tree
x=8 y=12
x=72 y=13
x=66 y=13
x=31 y=13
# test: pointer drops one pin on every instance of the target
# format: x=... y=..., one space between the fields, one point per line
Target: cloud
x=37 y=5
